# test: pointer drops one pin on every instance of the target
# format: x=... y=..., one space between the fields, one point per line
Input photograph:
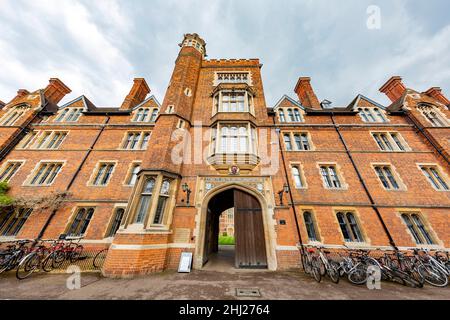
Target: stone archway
x=268 y=232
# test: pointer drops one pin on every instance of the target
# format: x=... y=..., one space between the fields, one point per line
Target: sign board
x=185 y=262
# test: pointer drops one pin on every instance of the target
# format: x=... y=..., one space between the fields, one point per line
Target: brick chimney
x=393 y=88
x=56 y=90
x=306 y=93
x=436 y=92
x=137 y=94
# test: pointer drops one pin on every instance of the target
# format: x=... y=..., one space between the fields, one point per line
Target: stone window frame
x=132 y=211
x=63 y=114
x=426 y=223
x=391 y=140
x=13 y=114
x=92 y=178
x=170 y=109
x=363 y=112
x=217 y=101
x=73 y=215
x=6 y=222
x=148 y=117
x=35 y=170
x=216 y=134
x=439 y=114
x=180 y=124
x=319 y=239
x=444 y=176
x=401 y=184
x=140 y=142
x=129 y=174
x=112 y=219
x=339 y=172
x=5 y=165
x=300 y=166
x=295 y=111
x=42 y=139
x=248 y=81
x=292 y=135
x=357 y=216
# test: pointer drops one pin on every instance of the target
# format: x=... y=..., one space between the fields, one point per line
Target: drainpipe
x=302 y=249
x=372 y=202
x=50 y=218
x=422 y=131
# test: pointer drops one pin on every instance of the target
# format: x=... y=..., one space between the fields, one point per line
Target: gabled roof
x=152 y=97
x=286 y=97
x=358 y=98
x=88 y=105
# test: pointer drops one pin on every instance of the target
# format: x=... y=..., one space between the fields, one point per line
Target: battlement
x=231 y=62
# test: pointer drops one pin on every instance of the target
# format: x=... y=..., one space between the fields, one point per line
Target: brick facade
x=339 y=137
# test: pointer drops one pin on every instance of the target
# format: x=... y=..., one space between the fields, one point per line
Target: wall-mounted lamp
x=188 y=191
x=280 y=193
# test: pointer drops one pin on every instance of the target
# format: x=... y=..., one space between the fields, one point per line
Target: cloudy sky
x=98 y=46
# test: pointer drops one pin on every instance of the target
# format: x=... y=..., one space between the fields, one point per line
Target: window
x=12 y=222
x=170 y=109
x=180 y=124
x=232 y=77
x=291 y=115
x=330 y=176
x=45 y=140
x=297 y=177
x=29 y=139
x=117 y=220
x=136 y=141
x=297 y=116
x=162 y=201
x=434 y=177
x=349 y=227
x=301 y=141
x=310 y=226
x=287 y=141
x=13 y=115
x=386 y=177
x=103 y=174
x=69 y=115
x=282 y=116
x=132 y=177
x=234 y=139
x=433 y=115
x=372 y=115
x=144 y=201
x=417 y=228
x=389 y=141
x=233 y=101
x=81 y=222
x=10 y=169
x=143 y=115
x=46 y=173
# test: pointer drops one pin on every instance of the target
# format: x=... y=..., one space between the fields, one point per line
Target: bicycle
x=331 y=267
x=310 y=264
x=32 y=261
x=99 y=258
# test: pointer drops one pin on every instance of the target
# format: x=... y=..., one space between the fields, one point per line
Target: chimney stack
x=393 y=88
x=22 y=93
x=137 y=94
x=56 y=90
x=306 y=93
x=436 y=93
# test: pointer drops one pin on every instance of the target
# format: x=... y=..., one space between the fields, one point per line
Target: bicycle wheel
x=432 y=275
x=358 y=275
x=76 y=253
x=333 y=272
x=407 y=279
x=5 y=262
x=59 y=256
x=316 y=272
x=47 y=264
x=101 y=256
x=27 y=266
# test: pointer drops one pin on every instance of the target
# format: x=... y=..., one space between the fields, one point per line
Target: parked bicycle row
x=31 y=256
x=413 y=268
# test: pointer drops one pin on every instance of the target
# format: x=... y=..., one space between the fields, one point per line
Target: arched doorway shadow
x=249 y=250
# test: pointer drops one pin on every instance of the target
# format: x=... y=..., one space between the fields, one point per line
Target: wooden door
x=250 y=251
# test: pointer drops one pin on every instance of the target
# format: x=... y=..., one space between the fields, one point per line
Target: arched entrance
x=250 y=242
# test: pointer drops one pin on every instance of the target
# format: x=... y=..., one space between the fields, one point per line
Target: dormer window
x=13 y=115
x=69 y=115
x=372 y=115
x=233 y=101
x=433 y=115
x=146 y=115
x=290 y=115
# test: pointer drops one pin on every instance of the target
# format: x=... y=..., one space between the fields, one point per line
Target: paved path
x=204 y=285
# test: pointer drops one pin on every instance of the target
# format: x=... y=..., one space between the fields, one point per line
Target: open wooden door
x=250 y=249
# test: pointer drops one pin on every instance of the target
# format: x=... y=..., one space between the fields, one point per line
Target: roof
x=292 y=101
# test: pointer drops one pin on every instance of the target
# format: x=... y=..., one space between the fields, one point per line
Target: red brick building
x=149 y=180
